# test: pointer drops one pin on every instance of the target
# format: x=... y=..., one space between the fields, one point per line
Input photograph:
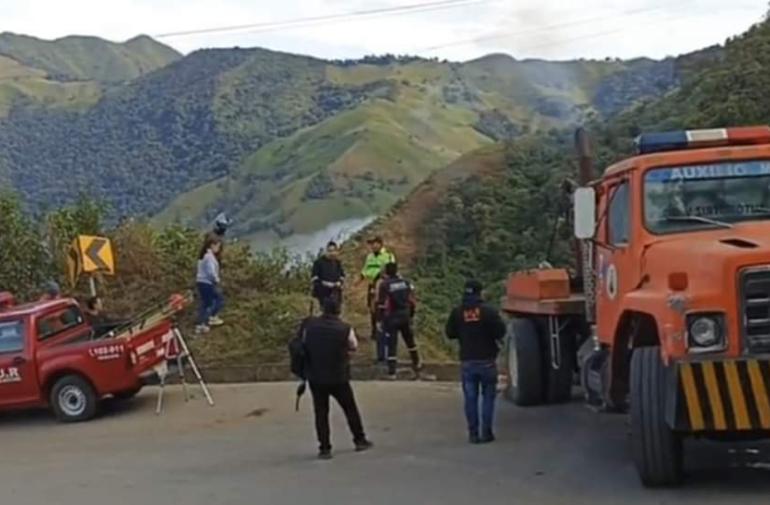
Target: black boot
x=416 y=363
x=487 y=437
x=392 y=367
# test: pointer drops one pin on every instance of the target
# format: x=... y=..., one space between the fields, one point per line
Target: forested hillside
x=418 y=116
x=88 y=58
x=286 y=144
x=71 y=73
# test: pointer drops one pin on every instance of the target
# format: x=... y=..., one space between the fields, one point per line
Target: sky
x=448 y=29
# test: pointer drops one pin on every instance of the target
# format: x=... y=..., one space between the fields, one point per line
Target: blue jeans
x=211 y=302
x=479 y=376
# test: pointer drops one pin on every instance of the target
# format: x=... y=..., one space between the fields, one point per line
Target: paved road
x=252 y=448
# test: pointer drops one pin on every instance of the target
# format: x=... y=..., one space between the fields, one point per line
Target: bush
x=266 y=294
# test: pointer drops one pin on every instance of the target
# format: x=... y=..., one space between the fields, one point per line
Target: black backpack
x=298 y=354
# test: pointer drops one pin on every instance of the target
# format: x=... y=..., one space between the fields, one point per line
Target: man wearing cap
x=480 y=330
x=373 y=269
x=52 y=291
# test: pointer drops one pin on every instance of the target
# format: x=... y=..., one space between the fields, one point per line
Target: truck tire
x=73 y=399
x=559 y=381
x=657 y=449
x=524 y=363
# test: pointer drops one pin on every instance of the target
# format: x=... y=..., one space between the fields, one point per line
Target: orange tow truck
x=667 y=316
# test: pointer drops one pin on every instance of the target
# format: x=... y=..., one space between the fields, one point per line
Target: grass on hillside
x=22 y=83
x=88 y=58
x=372 y=155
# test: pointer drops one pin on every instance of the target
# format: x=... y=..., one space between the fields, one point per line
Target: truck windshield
x=696 y=197
x=11 y=336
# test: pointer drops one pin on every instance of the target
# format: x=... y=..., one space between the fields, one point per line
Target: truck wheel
x=560 y=380
x=525 y=373
x=73 y=399
x=657 y=449
x=127 y=395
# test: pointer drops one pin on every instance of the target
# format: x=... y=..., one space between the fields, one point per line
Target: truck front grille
x=755 y=297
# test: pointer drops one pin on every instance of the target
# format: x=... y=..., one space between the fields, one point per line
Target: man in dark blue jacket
x=480 y=330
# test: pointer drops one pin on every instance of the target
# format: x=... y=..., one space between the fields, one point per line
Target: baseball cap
x=473 y=287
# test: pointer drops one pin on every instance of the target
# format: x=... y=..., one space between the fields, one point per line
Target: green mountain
x=73 y=72
x=88 y=58
x=418 y=116
x=287 y=144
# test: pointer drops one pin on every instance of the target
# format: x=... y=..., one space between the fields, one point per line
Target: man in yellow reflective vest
x=374 y=268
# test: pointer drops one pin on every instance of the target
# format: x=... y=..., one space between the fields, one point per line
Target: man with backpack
x=321 y=355
x=480 y=329
x=396 y=307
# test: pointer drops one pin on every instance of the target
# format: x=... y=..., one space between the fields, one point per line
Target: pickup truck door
x=18 y=373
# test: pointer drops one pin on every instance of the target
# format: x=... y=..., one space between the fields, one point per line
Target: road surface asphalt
x=252 y=448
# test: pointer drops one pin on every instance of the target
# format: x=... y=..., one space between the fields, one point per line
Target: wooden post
x=92 y=284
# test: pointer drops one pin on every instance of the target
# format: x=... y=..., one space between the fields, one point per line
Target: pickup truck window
x=57 y=322
x=11 y=336
x=712 y=195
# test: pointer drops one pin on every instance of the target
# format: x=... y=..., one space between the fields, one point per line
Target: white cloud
x=523 y=28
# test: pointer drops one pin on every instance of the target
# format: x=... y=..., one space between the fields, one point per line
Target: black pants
x=321 y=292
x=343 y=393
x=370 y=302
x=393 y=325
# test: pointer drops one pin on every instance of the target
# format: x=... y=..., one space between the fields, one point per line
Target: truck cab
x=50 y=356
x=676 y=245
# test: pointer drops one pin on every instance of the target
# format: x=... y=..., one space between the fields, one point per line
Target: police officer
x=372 y=272
x=480 y=329
x=328 y=275
x=328 y=341
x=396 y=307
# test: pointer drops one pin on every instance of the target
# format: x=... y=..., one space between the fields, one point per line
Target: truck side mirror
x=584 y=213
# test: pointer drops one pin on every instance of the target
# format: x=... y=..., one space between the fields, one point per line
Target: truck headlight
x=705 y=332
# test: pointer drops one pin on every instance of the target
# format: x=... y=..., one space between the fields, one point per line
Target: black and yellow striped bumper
x=722 y=396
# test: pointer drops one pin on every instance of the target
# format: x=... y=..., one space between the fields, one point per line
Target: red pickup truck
x=50 y=356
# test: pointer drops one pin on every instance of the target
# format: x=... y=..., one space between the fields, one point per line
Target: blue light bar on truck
x=647 y=143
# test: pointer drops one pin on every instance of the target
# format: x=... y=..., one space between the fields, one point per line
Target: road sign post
x=90 y=255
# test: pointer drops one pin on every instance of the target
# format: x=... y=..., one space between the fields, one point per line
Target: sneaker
x=473 y=438
x=487 y=438
x=325 y=454
x=215 y=321
x=392 y=377
x=202 y=328
x=364 y=445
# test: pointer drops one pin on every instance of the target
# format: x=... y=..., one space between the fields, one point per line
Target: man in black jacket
x=328 y=342
x=396 y=307
x=328 y=275
x=480 y=329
